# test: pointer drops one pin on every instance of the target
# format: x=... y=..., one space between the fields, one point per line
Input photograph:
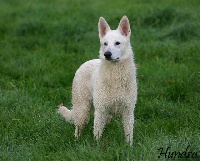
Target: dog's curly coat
x=108 y=84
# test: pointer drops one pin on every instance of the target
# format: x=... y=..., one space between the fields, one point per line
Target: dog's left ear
x=124 y=26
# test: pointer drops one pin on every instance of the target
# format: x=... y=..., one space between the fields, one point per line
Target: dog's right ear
x=103 y=27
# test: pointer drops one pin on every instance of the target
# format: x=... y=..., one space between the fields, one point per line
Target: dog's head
x=114 y=43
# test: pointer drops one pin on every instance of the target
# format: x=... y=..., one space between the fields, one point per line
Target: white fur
x=107 y=85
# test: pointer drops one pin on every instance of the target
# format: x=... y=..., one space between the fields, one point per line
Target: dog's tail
x=65 y=112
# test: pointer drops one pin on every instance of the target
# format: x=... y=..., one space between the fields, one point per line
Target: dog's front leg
x=128 y=121
x=100 y=120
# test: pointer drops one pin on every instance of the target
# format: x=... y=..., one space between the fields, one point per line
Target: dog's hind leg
x=81 y=117
x=77 y=116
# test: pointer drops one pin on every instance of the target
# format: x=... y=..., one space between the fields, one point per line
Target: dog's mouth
x=110 y=59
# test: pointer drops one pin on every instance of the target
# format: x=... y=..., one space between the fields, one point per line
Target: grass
x=42 y=43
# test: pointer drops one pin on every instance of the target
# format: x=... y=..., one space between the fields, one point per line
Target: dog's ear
x=103 y=27
x=124 y=26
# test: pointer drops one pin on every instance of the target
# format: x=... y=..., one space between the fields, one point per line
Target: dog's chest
x=117 y=87
x=117 y=79
x=114 y=88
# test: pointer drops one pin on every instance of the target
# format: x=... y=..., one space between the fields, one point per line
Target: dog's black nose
x=107 y=54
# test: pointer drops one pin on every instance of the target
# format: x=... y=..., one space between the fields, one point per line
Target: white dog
x=108 y=84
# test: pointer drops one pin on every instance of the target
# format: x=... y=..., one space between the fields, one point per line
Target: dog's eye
x=117 y=43
x=105 y=43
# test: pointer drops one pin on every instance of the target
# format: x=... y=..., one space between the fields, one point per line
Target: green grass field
x=42 y=44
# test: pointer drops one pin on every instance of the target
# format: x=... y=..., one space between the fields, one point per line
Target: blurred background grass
x=42 y=44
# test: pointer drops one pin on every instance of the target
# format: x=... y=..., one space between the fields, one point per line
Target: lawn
x=42 y=44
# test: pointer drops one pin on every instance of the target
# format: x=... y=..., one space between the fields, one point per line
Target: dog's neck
x=119 y=72
x=120 y=68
